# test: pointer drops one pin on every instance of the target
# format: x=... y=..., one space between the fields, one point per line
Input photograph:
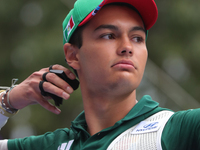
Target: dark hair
x=76 y=38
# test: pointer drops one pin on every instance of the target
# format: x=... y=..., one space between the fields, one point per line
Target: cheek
x=145 y=57
x=98 y=52
x=92 y=59
x=142 y=59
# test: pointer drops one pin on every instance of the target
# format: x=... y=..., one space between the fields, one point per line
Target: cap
x=84 y=10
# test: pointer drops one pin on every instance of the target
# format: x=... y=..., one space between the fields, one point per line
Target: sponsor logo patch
x=147 y=126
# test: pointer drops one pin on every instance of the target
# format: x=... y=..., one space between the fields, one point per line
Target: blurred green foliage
x=177 y=34
x=31 y=38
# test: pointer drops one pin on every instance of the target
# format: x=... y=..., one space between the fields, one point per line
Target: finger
x=60 y=83
x=43 y=101
x=48 y=106
x=60 y=87
x=43 y=70
x=37 y=75
x=50 y=88
x=43 y=93
x=67 y=71
x=44 y=76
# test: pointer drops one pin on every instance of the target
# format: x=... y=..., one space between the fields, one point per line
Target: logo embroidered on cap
x=70 y=25
x=98 y=8
x=147 y=126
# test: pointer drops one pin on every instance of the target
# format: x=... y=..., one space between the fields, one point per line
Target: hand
x=28 y=92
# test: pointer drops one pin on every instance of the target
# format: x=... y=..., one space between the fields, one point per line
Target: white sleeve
x=3 y=120
x=3 y=145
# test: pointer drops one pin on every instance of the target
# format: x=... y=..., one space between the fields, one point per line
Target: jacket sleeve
x=3 y=144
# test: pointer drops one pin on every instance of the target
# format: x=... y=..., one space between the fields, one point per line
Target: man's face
x=114 y=54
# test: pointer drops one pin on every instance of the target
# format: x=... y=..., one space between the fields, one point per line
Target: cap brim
x=146 y=8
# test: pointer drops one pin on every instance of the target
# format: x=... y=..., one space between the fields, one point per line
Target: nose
x=125 y=47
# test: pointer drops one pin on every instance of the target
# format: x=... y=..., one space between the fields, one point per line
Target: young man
x=105 y=42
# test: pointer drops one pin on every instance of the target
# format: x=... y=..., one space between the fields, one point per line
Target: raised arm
x=28 y=91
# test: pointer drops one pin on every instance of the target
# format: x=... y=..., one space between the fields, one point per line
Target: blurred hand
x=28 y=92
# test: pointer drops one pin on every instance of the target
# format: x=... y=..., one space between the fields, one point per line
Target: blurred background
x=31 y=38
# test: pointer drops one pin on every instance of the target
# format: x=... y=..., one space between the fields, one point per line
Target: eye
x=108 y=36
x=138 y=39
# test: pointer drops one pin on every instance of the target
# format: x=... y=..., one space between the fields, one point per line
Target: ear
x=71 y=55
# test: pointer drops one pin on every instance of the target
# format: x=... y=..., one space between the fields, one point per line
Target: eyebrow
x=107 y=26
x=113 y=27
x=138 y=28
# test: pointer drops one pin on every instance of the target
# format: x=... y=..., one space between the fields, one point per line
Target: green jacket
x=180 y=132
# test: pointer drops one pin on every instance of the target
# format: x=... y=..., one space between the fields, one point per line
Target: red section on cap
x=71 y=22
x=147 y=9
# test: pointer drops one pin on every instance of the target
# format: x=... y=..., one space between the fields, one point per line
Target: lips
x=125 y=62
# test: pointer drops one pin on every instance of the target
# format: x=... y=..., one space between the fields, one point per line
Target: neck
x=103 y=111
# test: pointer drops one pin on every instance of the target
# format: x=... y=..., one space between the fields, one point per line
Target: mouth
x=124 y=64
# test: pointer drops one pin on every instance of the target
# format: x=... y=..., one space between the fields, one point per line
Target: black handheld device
x=73 y=83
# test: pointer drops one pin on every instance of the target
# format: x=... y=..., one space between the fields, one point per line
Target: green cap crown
x=84 y=10
x=76 y=15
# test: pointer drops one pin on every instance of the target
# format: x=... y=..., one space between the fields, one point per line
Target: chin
x=129 y=79
x=124 y=85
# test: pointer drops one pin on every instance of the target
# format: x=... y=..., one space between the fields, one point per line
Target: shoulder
x=187 y=117
x=182 y=129
x=184 y=120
